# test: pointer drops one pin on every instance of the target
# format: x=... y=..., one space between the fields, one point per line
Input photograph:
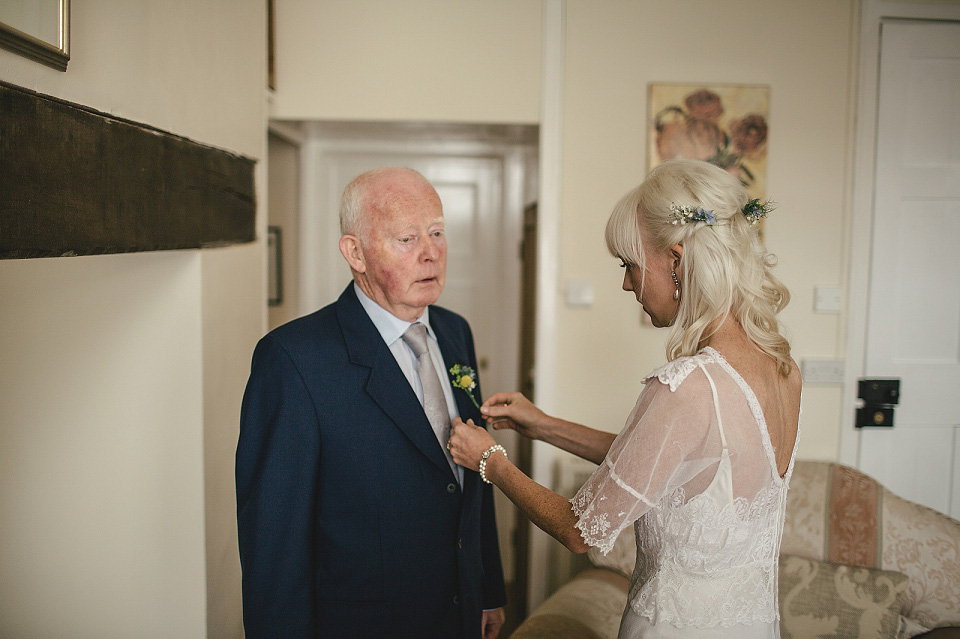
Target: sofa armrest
x=589 y=606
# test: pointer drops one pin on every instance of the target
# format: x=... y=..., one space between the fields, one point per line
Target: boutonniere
x=464 y=378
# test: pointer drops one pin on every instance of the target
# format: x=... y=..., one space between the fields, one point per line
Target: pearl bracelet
x=483 y=460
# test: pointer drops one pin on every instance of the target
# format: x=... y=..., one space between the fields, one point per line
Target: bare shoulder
x=795 y=379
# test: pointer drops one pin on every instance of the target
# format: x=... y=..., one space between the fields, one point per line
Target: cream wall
x=426 y=60
x=121 y=375
x=804 y=51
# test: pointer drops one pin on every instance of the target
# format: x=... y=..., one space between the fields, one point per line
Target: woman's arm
x=513 y=410
x=548 y=510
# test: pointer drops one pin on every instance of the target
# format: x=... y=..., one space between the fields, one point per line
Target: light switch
x=579 y=293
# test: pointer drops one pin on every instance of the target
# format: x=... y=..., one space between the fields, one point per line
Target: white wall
x=428 y=60
x=121 y=375
x=101 y=447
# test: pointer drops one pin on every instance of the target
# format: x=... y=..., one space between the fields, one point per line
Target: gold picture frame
x=37 y=29
x=724 y=124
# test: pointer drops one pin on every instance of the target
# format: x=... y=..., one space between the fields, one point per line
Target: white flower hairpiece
x=753 y=211
x=684 y=214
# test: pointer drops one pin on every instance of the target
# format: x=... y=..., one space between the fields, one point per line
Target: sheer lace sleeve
x=669 y=439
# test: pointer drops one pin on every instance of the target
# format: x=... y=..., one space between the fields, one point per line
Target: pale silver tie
x=434 y=404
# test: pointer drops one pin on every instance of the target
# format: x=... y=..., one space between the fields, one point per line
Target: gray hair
x=356 y=199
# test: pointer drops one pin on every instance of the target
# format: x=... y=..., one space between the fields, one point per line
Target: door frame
x=322 y=272
x=872 y=14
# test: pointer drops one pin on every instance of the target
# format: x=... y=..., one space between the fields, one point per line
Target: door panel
x=913 y=331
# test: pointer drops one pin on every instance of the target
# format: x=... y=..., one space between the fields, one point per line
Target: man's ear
x=352 y=252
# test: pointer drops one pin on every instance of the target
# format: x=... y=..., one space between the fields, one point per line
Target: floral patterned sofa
x=856 y=561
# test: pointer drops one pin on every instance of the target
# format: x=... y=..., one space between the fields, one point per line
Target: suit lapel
x=386 y=385
x=455 y=352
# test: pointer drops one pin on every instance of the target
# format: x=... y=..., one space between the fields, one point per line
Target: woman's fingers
x=498 y=401
x=500 y=408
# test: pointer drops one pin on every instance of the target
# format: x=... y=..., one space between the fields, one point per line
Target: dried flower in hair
x=755 y=210
x=684 y=214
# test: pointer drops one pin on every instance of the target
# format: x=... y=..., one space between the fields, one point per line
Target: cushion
x=820 y=599
x=622 y=557
x=838 y=514
x=925 y=545
x=588 y=607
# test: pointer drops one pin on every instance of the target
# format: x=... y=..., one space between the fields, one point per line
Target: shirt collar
x=390 y=327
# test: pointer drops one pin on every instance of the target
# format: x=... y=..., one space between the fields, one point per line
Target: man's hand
x=492 y=622
x=467 y=443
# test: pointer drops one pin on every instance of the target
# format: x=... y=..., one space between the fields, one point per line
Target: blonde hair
x=725 y=270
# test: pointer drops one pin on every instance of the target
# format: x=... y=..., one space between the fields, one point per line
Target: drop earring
x=676 y=282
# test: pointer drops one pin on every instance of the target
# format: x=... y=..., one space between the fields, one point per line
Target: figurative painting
x=725 y=125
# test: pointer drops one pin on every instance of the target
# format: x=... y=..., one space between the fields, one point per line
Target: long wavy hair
x=725 y=269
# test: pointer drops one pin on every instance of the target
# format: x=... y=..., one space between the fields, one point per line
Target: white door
x=913 y=330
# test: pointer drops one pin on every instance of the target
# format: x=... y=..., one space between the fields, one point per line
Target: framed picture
x=37 y=29
x=274 y=266
x=725 y=125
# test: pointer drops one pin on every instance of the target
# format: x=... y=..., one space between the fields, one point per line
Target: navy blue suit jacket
x=351 y=522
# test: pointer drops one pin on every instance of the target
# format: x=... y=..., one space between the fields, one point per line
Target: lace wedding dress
x=694 y=470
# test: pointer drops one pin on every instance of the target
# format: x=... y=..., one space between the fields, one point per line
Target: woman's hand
x=468 y=442
x=513 y=410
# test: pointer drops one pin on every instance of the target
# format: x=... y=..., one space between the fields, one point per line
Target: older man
x=353 y=519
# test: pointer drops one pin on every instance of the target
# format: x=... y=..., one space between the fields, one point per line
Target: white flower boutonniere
x=464 y=378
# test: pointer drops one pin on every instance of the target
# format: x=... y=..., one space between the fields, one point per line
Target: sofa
x=856 y=561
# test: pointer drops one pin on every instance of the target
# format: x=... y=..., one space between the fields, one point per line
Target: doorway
x=486 y=176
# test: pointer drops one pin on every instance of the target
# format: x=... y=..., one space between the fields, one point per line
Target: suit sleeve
x=277 y=466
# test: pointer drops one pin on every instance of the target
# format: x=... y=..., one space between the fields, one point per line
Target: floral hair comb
x=689 y=214
x=753 y=211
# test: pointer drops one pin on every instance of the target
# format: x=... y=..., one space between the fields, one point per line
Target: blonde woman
x=702 y=465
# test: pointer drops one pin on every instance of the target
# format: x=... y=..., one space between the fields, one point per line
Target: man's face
x=404 y=248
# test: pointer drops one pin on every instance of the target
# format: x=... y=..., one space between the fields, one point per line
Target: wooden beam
x=75 y=181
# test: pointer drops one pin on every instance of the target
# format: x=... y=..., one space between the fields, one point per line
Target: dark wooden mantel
x=74 y=181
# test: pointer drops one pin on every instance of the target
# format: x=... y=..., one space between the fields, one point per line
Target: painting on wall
x=725 y=125
x=37 y=29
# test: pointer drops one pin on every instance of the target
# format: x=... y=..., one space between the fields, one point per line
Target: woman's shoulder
x=675 y=372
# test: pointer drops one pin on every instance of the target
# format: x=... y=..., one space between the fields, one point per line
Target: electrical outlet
x=827 y=300
x=822 y=371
